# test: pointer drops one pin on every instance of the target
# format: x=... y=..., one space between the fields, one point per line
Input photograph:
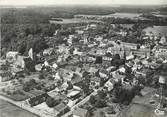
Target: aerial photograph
x=83 y=58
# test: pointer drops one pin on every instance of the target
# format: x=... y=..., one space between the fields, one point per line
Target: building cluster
x=57 y=79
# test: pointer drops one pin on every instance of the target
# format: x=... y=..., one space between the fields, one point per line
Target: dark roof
x=6 y=74
x=27 y=59
x=76 y=79
x=80 y=112
x=34 y=93
x=60 y=107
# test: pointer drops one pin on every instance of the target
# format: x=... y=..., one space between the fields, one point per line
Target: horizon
x=84 y=5
x=82 y=2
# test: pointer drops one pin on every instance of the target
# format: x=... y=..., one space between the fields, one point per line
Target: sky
x=80 y=2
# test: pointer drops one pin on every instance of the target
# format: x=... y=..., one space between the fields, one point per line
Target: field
x=156 y=30
x=9 y=110
x=141 y=107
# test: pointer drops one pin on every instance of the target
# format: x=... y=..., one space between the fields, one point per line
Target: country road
x=80 y=103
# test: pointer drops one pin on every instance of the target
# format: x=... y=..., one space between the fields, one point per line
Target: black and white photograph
x=83 y=58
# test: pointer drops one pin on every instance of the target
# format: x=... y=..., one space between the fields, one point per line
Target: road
x=80 y=103
x=24 y=106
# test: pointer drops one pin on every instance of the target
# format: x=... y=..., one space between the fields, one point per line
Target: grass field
x=156 y=30
x=9 y=110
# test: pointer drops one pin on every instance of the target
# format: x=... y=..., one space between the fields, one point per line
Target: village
x=87 y=74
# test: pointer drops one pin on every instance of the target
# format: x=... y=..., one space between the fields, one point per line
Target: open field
x=9 y=110
x=156 y=30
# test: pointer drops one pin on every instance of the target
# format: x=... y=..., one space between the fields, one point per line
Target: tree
x=22 y=48
x=41 y=76
x=125 y=96
x=102 y=114
x=29 y=85
x=50 y=102
x=101 y=94
x=92 y=99
x=102 y=82
x=86 y=83
x=27 y=31
x=89 y=112
x=116 y=61
x=29 y=65
x=70 y=86
x=39 y=45
x=100 y=103
x=111 y=110
x=99 y=60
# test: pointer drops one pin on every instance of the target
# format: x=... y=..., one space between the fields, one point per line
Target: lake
x=72 y=21
x=9 y=110
x=125 y=15
x=115 y=15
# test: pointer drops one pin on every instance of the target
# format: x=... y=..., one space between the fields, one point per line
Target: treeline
x=118 y=20
x=23 y=16
x=147 y=19
x=22 y=30
x=163 y=10
x=70 y=11
x=93 y=10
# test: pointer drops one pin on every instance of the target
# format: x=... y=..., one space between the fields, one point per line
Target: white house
x=11 y=56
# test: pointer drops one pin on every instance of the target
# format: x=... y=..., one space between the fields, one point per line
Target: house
x=100 y=52
x=80 y=112
x=48 y=51
x=142 y=72
x=122 y=32
x=57 y=96
x=161 y=51
x=76 y=52
x=116 y=76
x=74 y=94
x=76 y=80
x=36 y=97
x=16 y=70
x=121 y=70
x=54 y=65
x=130 y=57
x=162 y=40
x=109 y=85
x=79 y=31
x=11 y=56
x=111 y=68
x=99 y=60
x=129 y=45
x=93 y=26
x=107 y=57
x=142 y=52
x=61 y=109
x=6 y=76
x=19 y=62
x=92 y=70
